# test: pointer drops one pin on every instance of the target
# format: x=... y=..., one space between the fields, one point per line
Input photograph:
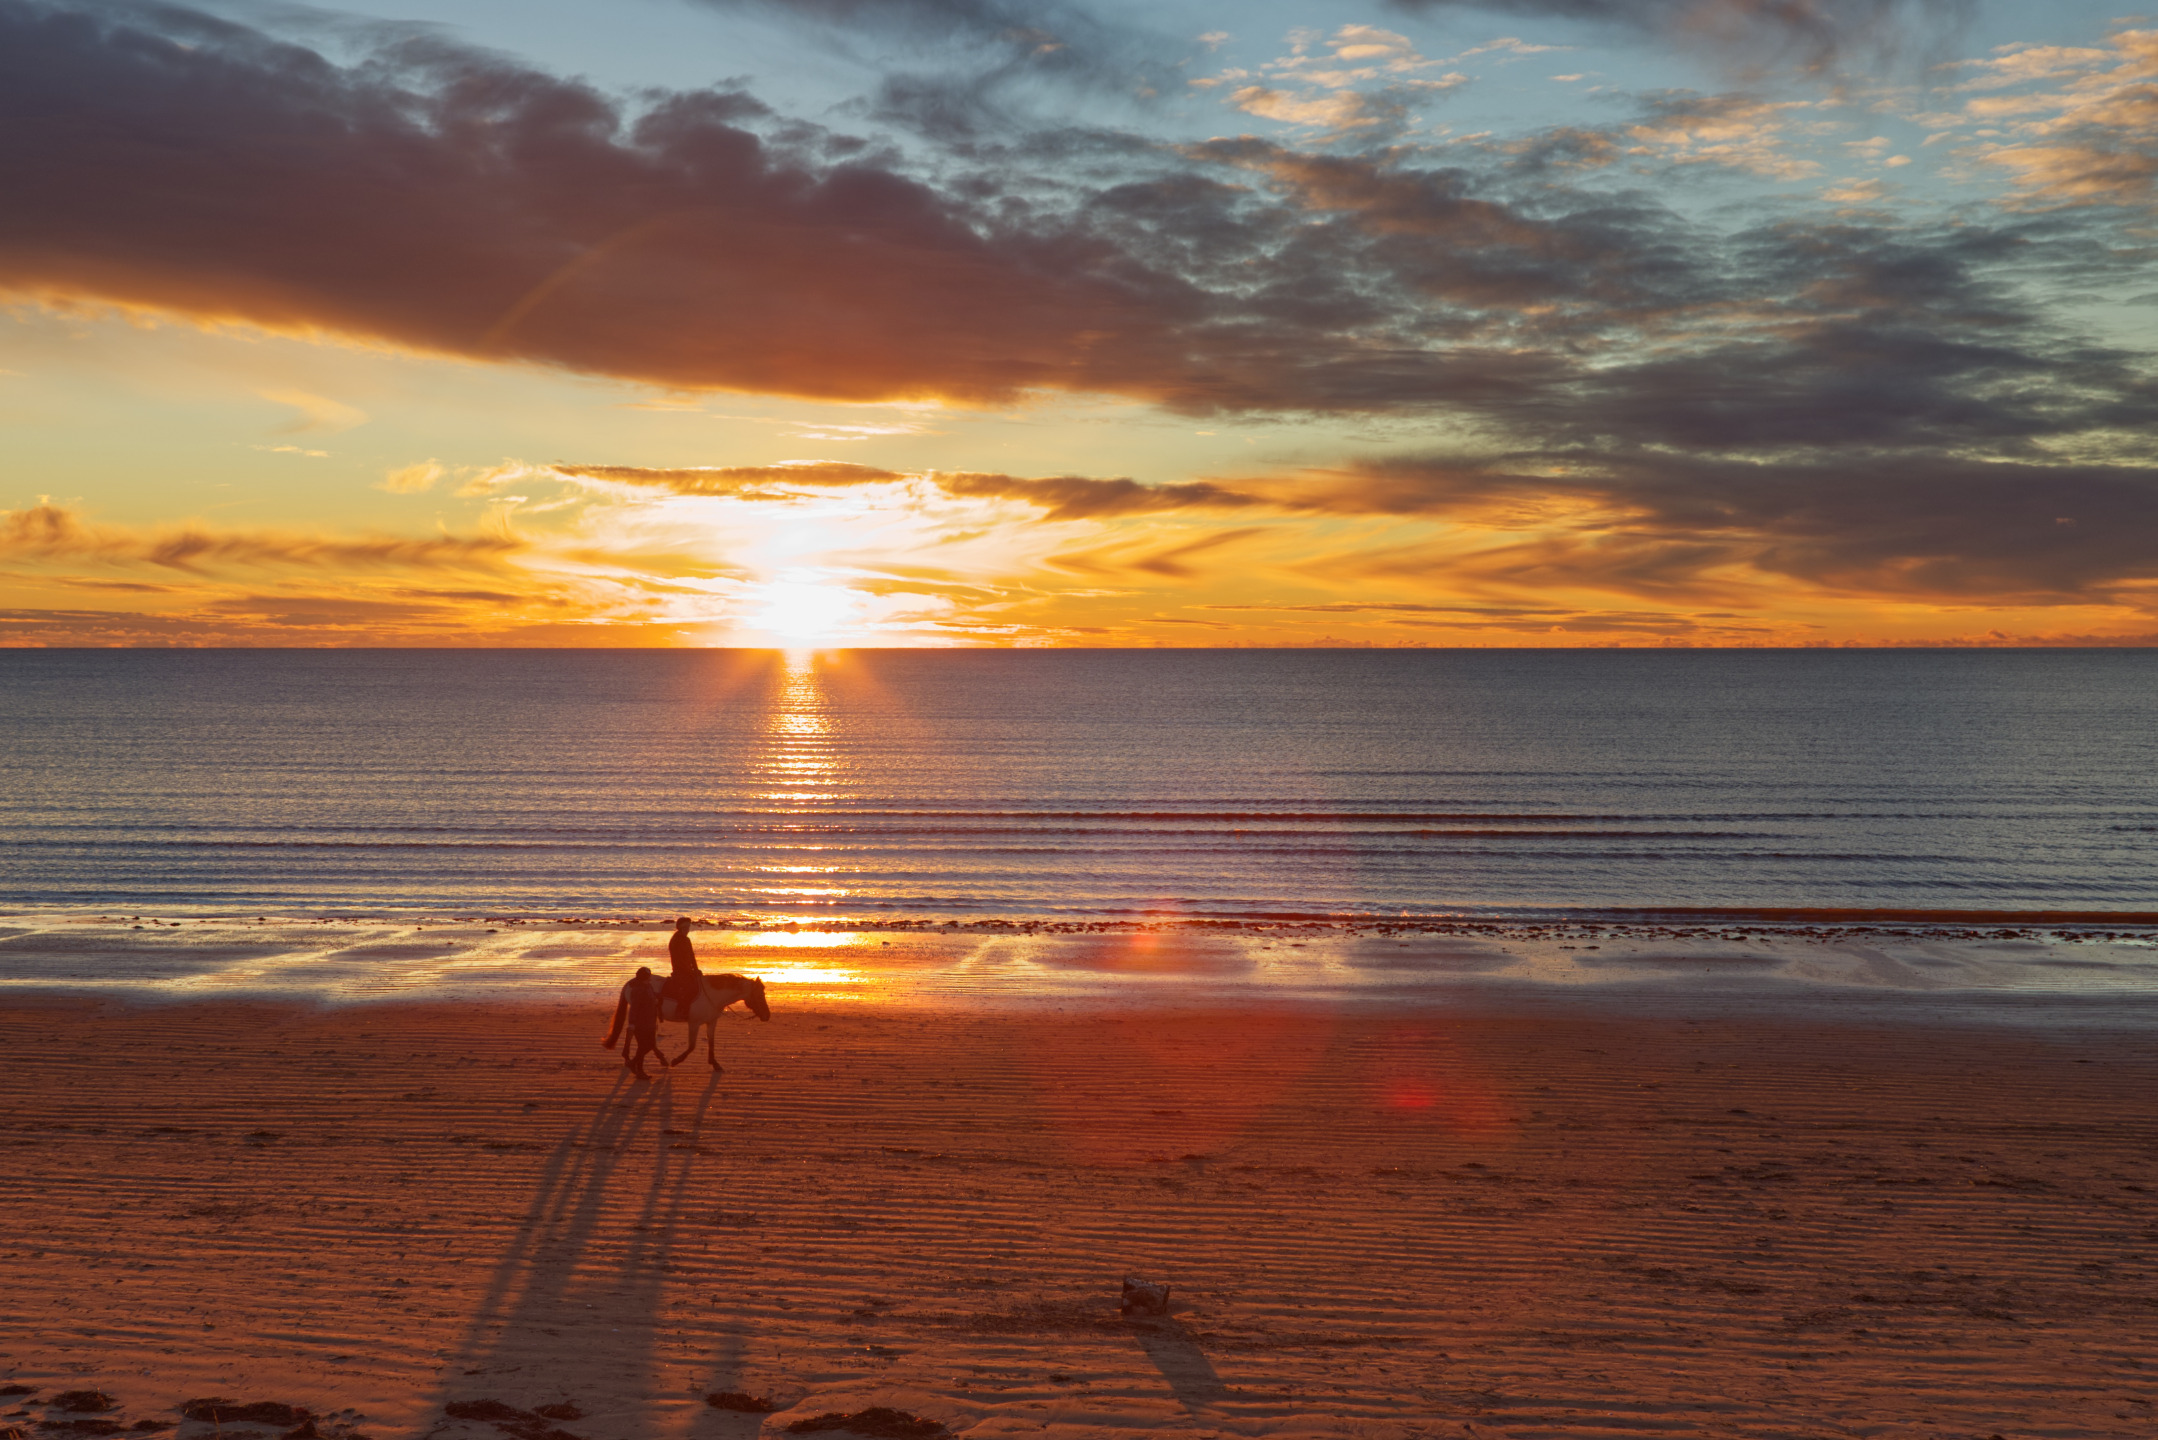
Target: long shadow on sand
x=1182 y=1363
x=584 y=1280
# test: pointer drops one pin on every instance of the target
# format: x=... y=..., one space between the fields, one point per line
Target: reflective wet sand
x=2040 y=974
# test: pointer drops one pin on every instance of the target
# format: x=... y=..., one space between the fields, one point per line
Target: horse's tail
x=621 y=1013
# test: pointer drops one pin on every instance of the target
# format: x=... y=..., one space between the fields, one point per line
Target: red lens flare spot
x=1410 y=1096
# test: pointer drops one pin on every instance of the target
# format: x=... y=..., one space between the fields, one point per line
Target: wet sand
x=1502 y=1217
x=2042 y=973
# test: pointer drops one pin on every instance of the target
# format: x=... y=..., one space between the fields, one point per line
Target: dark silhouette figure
x=639 y=1005
x=682 y=985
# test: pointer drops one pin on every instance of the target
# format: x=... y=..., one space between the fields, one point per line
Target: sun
x=806 y=612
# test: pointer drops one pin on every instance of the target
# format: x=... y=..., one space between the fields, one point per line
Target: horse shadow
x=586 y=1273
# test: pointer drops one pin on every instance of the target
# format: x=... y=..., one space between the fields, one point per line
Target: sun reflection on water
x=800 y=763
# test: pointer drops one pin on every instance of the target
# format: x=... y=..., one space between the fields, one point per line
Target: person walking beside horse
x=640 y=998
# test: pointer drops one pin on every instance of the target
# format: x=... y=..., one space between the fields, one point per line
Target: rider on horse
x=682 y=986
x=698 y=1002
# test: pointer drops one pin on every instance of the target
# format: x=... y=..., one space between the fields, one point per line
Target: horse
x=714 y=995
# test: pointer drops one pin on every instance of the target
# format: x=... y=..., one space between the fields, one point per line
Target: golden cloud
x=2088 y=132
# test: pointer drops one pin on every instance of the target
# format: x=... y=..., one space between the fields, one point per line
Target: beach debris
x=523 y=1424
x=740 y=1400
x=490 y=1410
x=1143 y=1297
x=84 y=1402
x=878 y=1421
x=233 y=1412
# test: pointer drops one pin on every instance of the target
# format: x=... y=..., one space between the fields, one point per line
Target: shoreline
x=1793 y=920
x=1996 y=975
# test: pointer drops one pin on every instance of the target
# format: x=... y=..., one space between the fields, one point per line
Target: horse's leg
x=689 y=1049
x=711 y=1043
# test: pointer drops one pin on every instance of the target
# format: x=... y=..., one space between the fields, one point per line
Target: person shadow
x=586 y=1271
x=1175 y=1352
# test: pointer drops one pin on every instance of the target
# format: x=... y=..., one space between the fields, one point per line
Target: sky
x=977 y=322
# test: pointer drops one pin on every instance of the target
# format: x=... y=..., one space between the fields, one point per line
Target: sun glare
x=797 y=940
x=806 y=612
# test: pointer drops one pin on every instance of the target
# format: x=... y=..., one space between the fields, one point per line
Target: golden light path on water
x=799 y=766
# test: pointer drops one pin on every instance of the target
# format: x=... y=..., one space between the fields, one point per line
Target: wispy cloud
x=2073 y=125
x=50 y=532
x=318 y=414
x=1741 y=131
x=1358 y=78
x=414 y=479
x=1063 y=497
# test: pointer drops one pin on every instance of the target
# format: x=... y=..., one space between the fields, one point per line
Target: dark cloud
x=1688 y=529
x=739 y=480
x=992 y=41
x=959 y=71
x=1061 y=497
x=455 y=201
x=321 y=622
x=1817 y=36
x=1863 y=409
x=1520 y=619
x=1072 y=497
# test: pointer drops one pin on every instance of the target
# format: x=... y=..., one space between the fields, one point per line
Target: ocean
x=1082 y=784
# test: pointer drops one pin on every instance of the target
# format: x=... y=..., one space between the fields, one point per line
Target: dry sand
x=1488 y=1222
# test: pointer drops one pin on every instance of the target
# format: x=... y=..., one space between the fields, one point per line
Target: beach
x=1521 y=1209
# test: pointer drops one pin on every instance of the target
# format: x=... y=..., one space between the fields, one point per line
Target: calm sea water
x=1080 y=784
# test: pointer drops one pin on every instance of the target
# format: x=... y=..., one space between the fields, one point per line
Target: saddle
x=677 y=994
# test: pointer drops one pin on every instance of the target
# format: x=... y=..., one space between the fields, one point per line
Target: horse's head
x=755 y=1000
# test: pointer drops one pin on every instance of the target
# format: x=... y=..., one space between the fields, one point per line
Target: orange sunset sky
x=935 y=322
